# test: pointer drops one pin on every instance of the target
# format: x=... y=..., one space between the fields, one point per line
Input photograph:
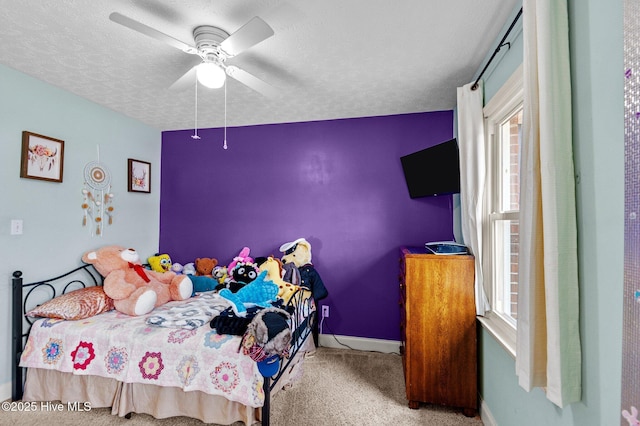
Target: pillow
x=75 y=305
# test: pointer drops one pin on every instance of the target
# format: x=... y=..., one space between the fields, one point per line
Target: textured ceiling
x=328 y=59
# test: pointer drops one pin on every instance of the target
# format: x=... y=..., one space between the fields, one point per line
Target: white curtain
x=472 y=179
x=548 y=342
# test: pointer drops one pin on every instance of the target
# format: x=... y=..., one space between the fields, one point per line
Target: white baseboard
x=485 y=414
x=359 y=343
x=5 y=391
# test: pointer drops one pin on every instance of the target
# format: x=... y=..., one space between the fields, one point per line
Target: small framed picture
x=42 y=157
x=139 y=176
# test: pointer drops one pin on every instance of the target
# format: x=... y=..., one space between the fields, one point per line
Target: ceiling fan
x=214 y=46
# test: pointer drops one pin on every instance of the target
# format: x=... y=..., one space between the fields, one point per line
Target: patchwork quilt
x=165 y=347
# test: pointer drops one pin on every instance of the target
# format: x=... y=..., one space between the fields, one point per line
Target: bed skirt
x=124 y=398
x=158 y=401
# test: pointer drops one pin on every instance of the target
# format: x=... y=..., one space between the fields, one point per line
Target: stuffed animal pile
x=289 y=274
x=257 y=290
x=293 y=271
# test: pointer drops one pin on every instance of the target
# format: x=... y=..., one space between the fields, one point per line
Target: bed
x=134 y=366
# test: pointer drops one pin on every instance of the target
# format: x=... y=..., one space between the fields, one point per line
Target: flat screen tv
x=433 y=171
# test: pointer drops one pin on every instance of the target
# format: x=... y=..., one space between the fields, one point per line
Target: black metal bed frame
x=86 y=275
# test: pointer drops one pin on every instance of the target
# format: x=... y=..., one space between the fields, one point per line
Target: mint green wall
x=596 y=42
x=598 y=101
x=53 y=238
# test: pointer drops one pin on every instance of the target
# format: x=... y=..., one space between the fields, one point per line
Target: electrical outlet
x=325 y=311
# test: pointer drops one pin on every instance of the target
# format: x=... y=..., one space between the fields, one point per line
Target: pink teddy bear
x=134 y=289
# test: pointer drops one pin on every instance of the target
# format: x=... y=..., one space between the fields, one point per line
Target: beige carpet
x=339 y=387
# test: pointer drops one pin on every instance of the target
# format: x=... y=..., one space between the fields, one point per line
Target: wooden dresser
x=438 y=322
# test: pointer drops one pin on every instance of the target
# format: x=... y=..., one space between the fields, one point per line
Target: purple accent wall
x=338 y=183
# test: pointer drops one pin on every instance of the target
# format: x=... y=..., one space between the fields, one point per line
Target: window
x=503 y=215
x=503 y=124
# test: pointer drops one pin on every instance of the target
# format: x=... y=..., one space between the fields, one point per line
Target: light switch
x=16 y=226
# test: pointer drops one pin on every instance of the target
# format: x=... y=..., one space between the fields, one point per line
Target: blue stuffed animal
x=203 y=283
x=260 y=292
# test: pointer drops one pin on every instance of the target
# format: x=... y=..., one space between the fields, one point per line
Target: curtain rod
x=495 y=52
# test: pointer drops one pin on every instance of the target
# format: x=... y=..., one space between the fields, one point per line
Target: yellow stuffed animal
x=160 y=263
x=273 y=267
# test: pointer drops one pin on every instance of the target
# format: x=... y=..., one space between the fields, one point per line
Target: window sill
x=504 y=333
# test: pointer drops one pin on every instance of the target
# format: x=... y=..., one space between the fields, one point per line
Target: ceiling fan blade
x=188 y=79
x=251 y=81
x=250 y=34
x=151 y=32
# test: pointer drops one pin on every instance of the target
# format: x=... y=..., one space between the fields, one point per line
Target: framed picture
x=139 y=176
x=42 y=157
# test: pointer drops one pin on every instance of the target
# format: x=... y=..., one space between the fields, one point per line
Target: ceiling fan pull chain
x=195 y=130
x=225 y=115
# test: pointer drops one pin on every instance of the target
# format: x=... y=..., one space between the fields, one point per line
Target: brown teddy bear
x=134 y=289
x=205 y=265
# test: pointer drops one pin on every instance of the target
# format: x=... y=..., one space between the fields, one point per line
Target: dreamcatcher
x=97 y=196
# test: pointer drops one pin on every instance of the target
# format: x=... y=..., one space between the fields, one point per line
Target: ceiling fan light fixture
x=210 y=75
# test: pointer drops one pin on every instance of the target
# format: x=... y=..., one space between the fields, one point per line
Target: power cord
x=333 y=334
x=345 y=345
